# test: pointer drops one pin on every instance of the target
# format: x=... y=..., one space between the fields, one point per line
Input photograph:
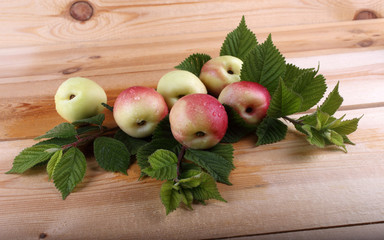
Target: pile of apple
x=197 y=115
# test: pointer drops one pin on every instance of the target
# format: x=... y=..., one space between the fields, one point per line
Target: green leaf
x=224 y=150
x=347 y=141
x=239 y=42
x=334 y=138
x=314 y=137
x=111 y=154
x=87 y=129
x=237 y=127
x=31 y=156
x=58 y=141
x=321 y=120
x=216 y=165
x=187 y=197
x=52 y=163
x=293 y=72
x=311 y=88
x=63 y=130
x=131 y=143
x=69 y=171
x=193 y=180
x=163 y=130
x=348 y=126
x=207 y=189
x=333 y=101
x=194 y=63
x=170 y=197
x=264 y=65
x=96 y=120
x=270 y=130
x=146 y=150
x=163 y=165
x=284 y=102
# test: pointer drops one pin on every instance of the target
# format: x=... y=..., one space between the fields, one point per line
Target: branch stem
x=294 y=121
x=179 y=160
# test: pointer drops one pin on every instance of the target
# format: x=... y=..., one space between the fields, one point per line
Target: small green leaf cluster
x=190 y=175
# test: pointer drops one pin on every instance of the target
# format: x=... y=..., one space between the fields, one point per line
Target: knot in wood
x=365 y=14
x=81 y=11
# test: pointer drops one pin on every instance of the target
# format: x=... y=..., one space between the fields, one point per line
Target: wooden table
x=287 y=190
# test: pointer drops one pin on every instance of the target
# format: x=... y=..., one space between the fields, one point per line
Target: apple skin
x=249 y=99
x=219 y=72
x=198 y=121
x=178 y=83
x=79 y=98
x=138 y=110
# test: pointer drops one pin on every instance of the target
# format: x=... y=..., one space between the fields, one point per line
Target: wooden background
x=288 y=190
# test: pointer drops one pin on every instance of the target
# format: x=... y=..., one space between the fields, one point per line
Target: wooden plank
x=39 y=22
x=20 y=102
x=367 y=232
x=287 y=186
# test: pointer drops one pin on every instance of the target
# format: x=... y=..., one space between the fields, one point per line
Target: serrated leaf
x=111 y=154
x=347 y=140
x=215 y=164
x=87 y=129
x=264 y=65
x=332 y=102
x=187 y=197
x=311 y=88
x=96 y=120
x=69 y=171
x=224 y=150
x=237 y=127
x=270 y=130
x=347 y=127
x=146 y=150
x=163 y=165
x=314 y=137
x=31 y=156
x=321 y=119
x=170 y=197
x=239 y=42
x=293 y=72
x=192 y=181
x=52 y=163
x=284 y=102
x=163 y=130
x=58 y=141
x=132 y=144
x=207 y=189
x=194 y=63
x=63 y=130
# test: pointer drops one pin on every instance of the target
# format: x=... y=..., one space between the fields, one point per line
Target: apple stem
x=294 y=121
x=179 y=159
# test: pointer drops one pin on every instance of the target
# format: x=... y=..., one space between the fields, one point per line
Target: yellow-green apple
x=219 y=72
x=198 y=121
x=178 y=83
x=78 y=98
x=138 y=110
x=249 y=99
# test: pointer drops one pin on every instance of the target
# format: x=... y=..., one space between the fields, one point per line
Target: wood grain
x=40 y=22
x=287 y=190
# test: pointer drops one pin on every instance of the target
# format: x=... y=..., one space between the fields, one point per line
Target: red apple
x=249 y=99
x=198 y=121
x=138 y=110
x=219 y=72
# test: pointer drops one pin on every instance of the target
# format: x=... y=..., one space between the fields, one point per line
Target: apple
x=219 y=72
x=249 y=99
x=138 y=110
x=178 y=83
x=79 y=98
x=198 y=121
